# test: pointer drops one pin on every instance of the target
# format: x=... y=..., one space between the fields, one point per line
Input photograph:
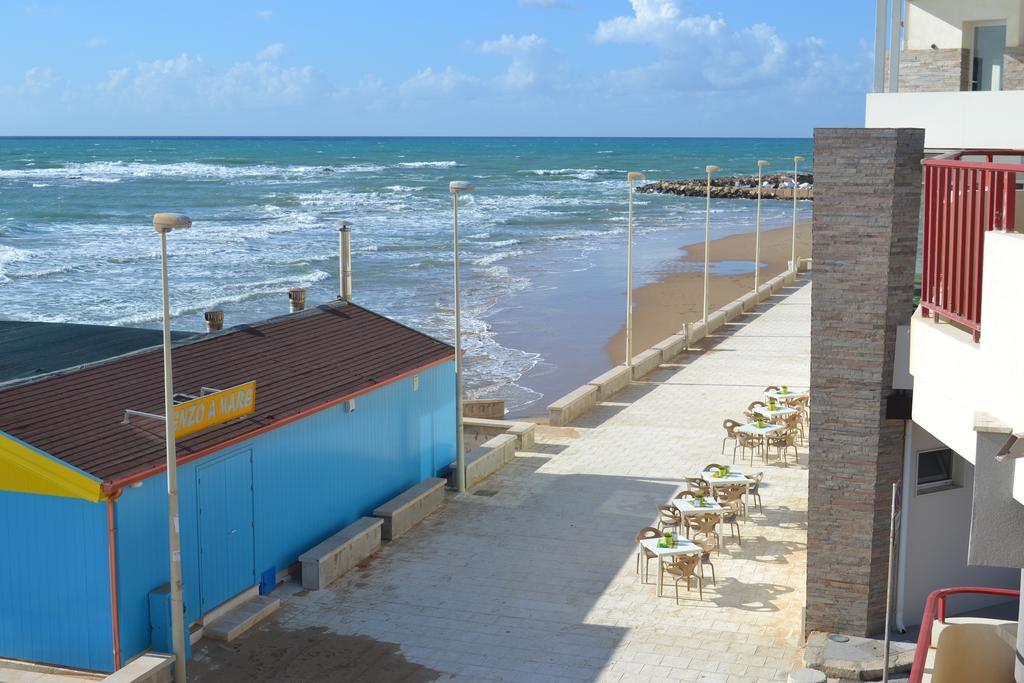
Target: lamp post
x=761 y=163
x=631 y=177
x=457 y=187
x=163 y=223
x=792 y=261
x=707 y=242
x=345 y=261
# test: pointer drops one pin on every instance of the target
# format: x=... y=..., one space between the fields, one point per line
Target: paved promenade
x=531 y=577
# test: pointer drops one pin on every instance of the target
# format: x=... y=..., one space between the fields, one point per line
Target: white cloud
x=95 y=42
x=264 y=14
x=39 y=79
x=534 y=63
x=271 y=52
x=261 y=84
x=430 y=82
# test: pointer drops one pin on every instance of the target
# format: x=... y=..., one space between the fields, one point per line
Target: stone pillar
x=867 y=197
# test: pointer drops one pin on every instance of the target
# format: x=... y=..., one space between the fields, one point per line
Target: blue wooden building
x=351 y=409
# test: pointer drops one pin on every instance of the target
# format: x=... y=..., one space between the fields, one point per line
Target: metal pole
x=757 y=230
x=629 y=279
x=707 y=241
x=177 y=609
x=880 y=26
x=460 y=456
x=792 y=257
x=894 y=45
x=888 y=589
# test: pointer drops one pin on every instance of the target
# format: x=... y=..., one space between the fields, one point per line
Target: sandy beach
x=661 y=309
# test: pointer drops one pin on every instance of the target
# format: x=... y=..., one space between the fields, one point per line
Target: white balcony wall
x=953 y=120
x=954 y=377
x=941 y=22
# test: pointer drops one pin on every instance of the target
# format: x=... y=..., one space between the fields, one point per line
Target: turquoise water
x=76 y=242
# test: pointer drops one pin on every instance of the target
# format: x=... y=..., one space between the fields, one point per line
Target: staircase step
x=242 y=618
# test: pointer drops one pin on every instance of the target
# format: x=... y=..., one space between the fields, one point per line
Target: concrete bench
x=477 y=430
x=410 y=507
x=670 y=347
x=571 y=406
x=611 y=382
x=148 y=668
x=328 y=561
x=715 y=320
x=748 y=301
x=646 y=362
x=695 y=332
x=733 y=310
x=487 y=459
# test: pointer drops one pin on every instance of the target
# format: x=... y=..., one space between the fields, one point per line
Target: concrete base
x=572 y=406
x=645 y=363
x=612 y=382
x=671 y=347
x=858 y=659
x=147 y=668
x=476 y=431
x=484 y=461
x=329 y=560
x=239 y=620
x=409 y=508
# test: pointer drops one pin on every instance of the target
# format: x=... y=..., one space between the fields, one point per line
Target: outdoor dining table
x=760 y=432
x=688 y=507
x=785 y=397
x=681 y=546
x=734 y=477
x=780 y=411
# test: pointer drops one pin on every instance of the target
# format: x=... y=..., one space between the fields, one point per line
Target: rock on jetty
x=774 y=186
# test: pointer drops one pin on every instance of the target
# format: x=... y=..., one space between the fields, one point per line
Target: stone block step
x=242 y=618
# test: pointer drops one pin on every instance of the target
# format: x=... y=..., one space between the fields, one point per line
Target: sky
x=679 y=68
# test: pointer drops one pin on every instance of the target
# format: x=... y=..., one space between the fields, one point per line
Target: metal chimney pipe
x=345 y=257
x=214 y=320
x=297 y=298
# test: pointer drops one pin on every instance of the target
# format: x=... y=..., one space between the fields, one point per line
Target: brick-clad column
x=867 y=194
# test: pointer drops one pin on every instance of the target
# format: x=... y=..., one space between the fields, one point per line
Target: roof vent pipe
x=214 y=320
x=297 y=298
x=345 y=256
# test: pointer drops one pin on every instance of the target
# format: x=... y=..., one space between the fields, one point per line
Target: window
x=987 y=57
x=934 y=470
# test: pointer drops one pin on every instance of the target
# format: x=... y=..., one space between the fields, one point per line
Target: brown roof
x=300 y=362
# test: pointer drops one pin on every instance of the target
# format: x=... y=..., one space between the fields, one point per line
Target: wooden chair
x=730 y=433
x=698 y=486
x=782 y=441
x=685 y=567
x=704 y=528
x=643 y=534
x=754 y=490
x=669 y=518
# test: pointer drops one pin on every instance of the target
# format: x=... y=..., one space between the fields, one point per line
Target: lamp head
x=457 y=186
x=761 y=163
x=711 y=169
x=165 y=222
x=343 y=225
x=635 y=175
x=798 y=158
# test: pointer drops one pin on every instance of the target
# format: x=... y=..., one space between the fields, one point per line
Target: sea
x=543 y=248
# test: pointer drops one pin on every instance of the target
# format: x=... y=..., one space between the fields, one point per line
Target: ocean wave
x=428 y=164
x=10 y=255
x=106 y=171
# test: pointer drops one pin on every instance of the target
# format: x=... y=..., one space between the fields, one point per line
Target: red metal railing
x=962 y=201
x=935 y=608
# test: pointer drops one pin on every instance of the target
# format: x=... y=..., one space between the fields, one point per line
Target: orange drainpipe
x=111 y=549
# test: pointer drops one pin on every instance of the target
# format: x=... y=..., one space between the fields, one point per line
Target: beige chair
x=782 y=441
x=795 y=424
x=749 y=412
x=643 y=534
x=712 y=466
x=698 y=486
x=770 y=388
x=744 y=443
x=685 y=567
x=703 y=529
x=669 y=518
x=732 y=493
x=730 y=433
x=733 y=512
x=754 y=490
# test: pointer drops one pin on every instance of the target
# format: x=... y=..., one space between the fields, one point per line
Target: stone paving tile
x=537 y=582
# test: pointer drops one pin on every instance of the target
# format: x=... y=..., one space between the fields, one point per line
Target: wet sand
x=660 y=309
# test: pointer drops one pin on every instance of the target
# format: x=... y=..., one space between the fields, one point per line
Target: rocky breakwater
x=774 y=186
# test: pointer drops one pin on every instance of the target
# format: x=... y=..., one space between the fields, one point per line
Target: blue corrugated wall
x=55 y=581
x=310 y=478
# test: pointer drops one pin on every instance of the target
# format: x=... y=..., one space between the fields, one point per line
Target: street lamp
x=163 y=223
x=761 y=163
x=456 y=187
x=707 y=241
x=796 y=164
x=631 y=177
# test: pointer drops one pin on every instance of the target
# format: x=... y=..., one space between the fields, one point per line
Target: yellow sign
x=214 y=409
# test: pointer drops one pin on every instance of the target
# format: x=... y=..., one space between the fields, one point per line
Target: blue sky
x=433 y=67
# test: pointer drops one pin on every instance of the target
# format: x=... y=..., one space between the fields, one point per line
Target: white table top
x=788 y=396
x=780 y=411
x=733 y=478
x=682 y=547
x=687 y=506
x=752 y=428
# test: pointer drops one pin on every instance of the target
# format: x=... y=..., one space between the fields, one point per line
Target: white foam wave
x=428 y=164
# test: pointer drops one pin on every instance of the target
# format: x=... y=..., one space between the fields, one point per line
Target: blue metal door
x=226 y=553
